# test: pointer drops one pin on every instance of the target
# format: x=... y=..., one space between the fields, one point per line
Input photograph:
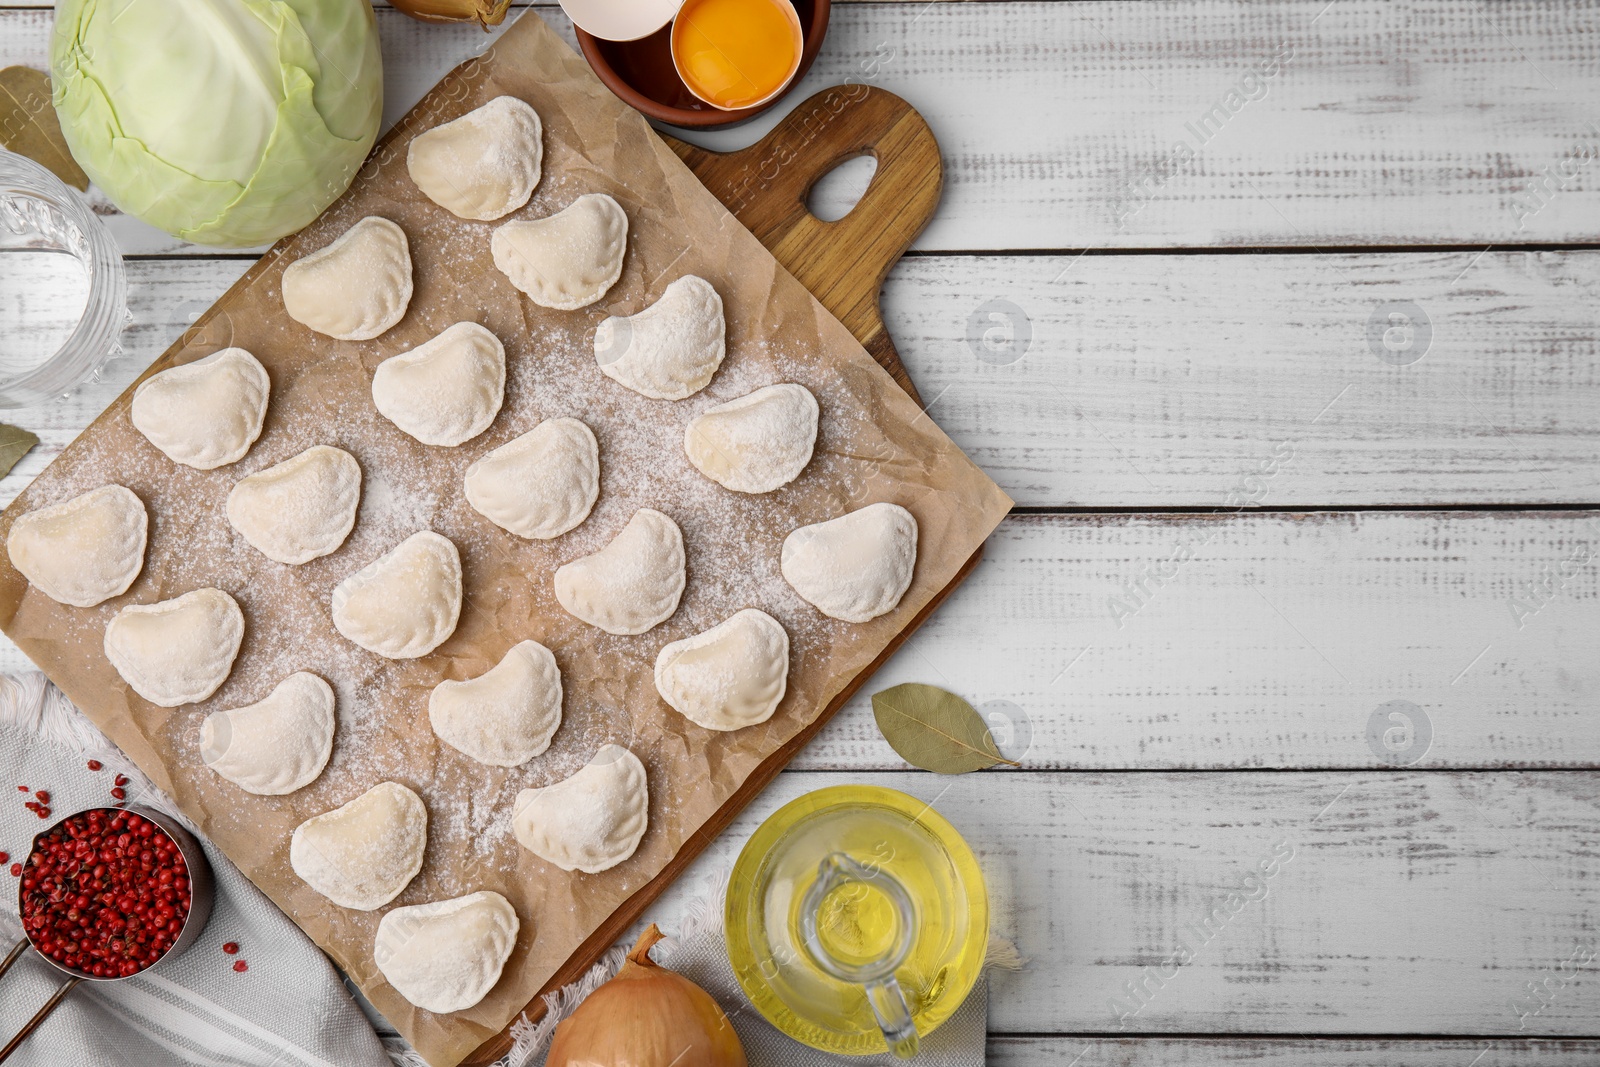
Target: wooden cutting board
x=844 y=264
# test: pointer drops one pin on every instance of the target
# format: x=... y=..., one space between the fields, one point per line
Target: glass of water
x=63 y=292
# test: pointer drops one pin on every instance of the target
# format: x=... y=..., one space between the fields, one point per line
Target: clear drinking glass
x=63 y=292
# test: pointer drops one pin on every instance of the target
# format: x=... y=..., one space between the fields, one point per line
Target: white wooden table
x=1255 y=511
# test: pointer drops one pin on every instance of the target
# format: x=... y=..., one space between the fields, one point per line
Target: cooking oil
x=857 y=923
x=843 y=890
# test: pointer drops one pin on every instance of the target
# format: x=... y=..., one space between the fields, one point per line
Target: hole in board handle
x=836 y=193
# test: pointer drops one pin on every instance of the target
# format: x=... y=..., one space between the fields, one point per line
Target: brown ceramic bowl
x=641 y=72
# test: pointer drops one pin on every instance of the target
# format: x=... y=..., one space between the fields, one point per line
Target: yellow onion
x=484 y=12
x=647 y=1016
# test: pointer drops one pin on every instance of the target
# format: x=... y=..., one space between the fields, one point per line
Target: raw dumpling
x=277 y=745
x=855 y=567
x=405 y=603
x=669 y=350
x=730 y=676
x=447 y=955
x=178 y=651
x=541 y=484
x=446 y=390
x=363 y=854
x=631 y=584
x=482 y=165
x=567 y=260
x=756 y=443
x=590 y=822
x=301 y=508
x=207 y=413
x=355 y=288
x=84 y=550
x=505 y=716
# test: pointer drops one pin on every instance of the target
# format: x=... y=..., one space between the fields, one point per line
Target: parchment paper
x=874 y=444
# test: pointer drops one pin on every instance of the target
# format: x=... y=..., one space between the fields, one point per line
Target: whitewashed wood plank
x=1384 y=123
x=1045 y=594
x=1167 y=381
x=1393 y=123
x=1415 y=903
x=1280 y=642
x=1018 y=1051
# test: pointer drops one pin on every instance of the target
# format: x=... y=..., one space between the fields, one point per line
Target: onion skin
x=647 y=1016
x=485 y=13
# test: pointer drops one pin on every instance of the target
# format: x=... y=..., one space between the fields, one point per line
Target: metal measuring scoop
x=202 y=893
x=888 y=1002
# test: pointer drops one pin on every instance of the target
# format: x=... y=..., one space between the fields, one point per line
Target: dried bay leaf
x=935 y=729
x=15 y=443
x=29 y=127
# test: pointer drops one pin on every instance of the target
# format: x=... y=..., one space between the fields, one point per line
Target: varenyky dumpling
x=85 y=550
x=405 y=603
x=204 y=414
x=672 y=348
x=300 y=509
x=731 y=676
x=567 y=260
x=855 y=567
x=363 y=854
x=590 y=822
x=276 y=745
x=446 y=390
x=539 y=485
x=355 y=288
x=757 y=443
x=445 y=956
x=505 y=716
x=179 y=651
x=631 y=584
x=482 y=165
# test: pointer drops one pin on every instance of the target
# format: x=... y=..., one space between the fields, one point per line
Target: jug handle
x=884 y=996
x=894 y=1017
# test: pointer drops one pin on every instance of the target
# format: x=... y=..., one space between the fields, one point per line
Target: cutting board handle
x=843 y=262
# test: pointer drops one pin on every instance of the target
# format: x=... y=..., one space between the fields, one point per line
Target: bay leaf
x=15 y=443
x=934 y=729
x=29 y=126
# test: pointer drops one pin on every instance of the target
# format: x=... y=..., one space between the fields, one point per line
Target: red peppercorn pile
x=106 y=893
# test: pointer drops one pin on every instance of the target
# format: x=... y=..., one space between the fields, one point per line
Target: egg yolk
x=735 y=53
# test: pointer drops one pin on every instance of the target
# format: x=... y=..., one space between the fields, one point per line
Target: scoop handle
x=43 y=1013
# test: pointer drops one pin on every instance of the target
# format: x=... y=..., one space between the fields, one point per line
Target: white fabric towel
x=289 y=1009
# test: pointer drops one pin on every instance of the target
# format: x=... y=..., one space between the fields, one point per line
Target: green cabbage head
x=226 y=122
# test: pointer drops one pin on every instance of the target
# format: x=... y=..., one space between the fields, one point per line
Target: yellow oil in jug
x=857 y=921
